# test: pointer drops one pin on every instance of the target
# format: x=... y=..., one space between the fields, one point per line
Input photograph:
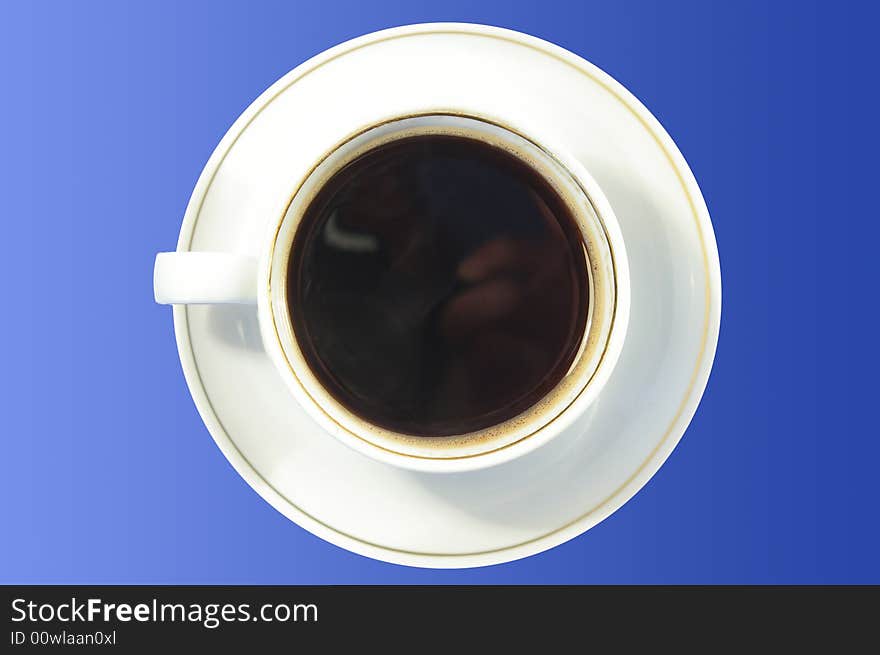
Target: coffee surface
x=438 y=286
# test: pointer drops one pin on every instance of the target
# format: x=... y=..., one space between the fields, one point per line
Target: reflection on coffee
x=438 y=285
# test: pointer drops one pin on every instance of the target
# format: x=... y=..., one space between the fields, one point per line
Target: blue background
x=109 y=110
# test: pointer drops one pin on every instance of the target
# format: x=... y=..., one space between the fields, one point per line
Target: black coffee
x=438 y=286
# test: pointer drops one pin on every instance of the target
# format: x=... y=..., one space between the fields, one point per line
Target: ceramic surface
x=557 y=491
x=197 y=277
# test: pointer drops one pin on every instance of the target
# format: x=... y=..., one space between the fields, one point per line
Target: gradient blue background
x=108 y=112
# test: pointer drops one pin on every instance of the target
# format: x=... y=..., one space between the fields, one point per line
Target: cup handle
x=204 y=278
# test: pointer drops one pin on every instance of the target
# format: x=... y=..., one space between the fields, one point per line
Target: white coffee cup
x=213 y=278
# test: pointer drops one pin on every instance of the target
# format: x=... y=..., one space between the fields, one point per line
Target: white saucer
x=560 y=490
